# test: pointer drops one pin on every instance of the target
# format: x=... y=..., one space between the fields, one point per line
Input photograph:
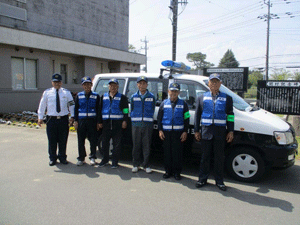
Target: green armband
x=125 y=110
x=230 y=118
x=187 y=115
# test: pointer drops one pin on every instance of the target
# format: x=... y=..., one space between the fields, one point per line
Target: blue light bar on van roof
x=175 y=65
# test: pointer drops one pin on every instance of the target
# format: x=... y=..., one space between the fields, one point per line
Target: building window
x=24 y=73
x=64 y=73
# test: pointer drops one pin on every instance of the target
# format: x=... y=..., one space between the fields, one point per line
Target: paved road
x=31 y=192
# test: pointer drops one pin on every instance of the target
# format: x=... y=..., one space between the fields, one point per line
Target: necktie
x=57 y=101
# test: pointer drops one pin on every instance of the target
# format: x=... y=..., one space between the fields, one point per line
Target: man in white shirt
x=59 y=103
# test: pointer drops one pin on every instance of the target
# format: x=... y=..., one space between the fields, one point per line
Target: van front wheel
x=245 y=164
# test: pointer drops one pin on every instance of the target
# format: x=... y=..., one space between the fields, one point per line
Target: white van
x=261 y=139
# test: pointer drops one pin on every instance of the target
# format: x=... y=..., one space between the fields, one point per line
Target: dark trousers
x=212 y=148
x=57 y=132
x=173 y=148
x=141 y=138
x=87 y=128
x=116 y=135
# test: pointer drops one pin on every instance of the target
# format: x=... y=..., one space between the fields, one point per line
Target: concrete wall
x=89 y=37
x=47 y=64
x=102 y=22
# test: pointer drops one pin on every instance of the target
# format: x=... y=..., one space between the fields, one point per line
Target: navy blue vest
x=87 y=107
x=143 y=109
x=173 y=119
x=111 y=110
x=214 y=113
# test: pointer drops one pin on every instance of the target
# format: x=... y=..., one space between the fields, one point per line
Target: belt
x=58 y=117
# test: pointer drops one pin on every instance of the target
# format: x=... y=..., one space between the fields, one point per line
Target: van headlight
x=284 y=138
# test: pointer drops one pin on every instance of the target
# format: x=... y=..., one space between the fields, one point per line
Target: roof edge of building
x=11 y=36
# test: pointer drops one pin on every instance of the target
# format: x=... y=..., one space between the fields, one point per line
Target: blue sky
x=213 y=26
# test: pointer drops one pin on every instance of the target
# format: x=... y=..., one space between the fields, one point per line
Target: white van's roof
x=151 y=75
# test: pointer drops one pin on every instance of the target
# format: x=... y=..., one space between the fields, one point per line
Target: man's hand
x=99 y=126
x=124 y=124
x=197 y=136
x=161 y=135
x=71 y=121
x=40 y=122
x=76 y=125
x=183 y=136
x=229 y=137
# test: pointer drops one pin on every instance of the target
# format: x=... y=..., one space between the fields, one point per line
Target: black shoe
x=222 y=187
x=177 y=176
x=64 y=162
x=52 y=163
x=201 y=183
x=114 y=165
x=167 y=175
x=102 y=163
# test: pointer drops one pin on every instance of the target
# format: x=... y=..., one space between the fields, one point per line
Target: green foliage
x=280 y=74
x=251 y=92
x=131 y=48
x=296 y=75
x=199 y=60
x=253 y=77
x=228 y=60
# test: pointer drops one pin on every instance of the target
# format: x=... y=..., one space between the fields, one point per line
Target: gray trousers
x=141 y=138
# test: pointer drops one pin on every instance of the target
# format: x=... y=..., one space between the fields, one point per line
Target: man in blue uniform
x=59 y=104
x=173 y=122
x=114 y=115
x=214 y=111
x=142 y=110
x=87 y=120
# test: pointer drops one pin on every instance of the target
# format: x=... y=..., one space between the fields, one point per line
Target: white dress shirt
x=48 y=102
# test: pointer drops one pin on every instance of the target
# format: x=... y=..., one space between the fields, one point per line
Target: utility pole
x=145 y=41
x=268 y=38
x=268 y=17
x=174 y=8
x=174 y=26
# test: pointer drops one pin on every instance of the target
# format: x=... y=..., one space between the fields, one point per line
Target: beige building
x=39 y=38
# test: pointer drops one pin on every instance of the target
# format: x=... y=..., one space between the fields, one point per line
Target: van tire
x=245 y=164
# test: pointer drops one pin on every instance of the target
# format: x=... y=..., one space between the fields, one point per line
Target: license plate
x=290 y=157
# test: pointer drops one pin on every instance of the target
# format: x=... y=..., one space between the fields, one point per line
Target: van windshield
x=102 y=86
x=238 y=102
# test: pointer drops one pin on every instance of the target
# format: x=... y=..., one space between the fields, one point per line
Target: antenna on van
x=173 y=67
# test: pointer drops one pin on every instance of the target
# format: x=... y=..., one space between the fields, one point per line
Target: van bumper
x=280 y=156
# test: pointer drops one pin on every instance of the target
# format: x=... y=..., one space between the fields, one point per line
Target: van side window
x=190 y=91
x=102 y=86
x=156 y=87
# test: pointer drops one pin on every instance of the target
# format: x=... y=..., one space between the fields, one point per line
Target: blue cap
x=86 y=79
x=174 y=87
x=56 y=77
x=142 y=78
x=215 y=76
x=113 y=81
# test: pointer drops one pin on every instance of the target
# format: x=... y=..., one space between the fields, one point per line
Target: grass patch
x=298 y=140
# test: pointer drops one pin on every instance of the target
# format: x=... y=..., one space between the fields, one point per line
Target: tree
x=198 y=59
x=280 y=74
x=131 y=48
x=253 y=77
x=296 y=75
x=228 y=60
